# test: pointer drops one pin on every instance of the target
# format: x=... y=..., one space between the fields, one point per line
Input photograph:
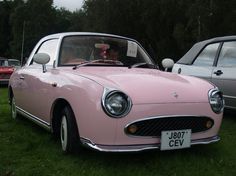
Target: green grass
x=26 y=149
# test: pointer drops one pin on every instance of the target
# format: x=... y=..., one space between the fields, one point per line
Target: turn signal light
x=209 y=124
x=132 y=129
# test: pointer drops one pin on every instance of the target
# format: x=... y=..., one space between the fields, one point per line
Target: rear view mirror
x=43 y=59
x=102 y=46
x=167 y=63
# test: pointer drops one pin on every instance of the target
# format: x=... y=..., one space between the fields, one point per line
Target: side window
x=207 y=56
x=49 y=47
x=227 y=56
x=2 y=63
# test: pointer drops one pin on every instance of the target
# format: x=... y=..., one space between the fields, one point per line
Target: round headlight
x=116 y=104
x=216 y=100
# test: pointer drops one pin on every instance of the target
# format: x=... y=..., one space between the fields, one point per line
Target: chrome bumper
x=137 y=148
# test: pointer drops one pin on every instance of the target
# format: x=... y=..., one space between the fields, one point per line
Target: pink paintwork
x=154 y=94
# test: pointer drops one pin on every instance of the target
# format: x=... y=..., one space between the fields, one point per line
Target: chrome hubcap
x=64 y=133
x=13 y=108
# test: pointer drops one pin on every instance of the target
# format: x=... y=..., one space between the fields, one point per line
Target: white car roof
x=64 y=34
x=193 y=52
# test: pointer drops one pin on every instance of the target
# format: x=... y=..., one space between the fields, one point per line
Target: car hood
x=149 y=85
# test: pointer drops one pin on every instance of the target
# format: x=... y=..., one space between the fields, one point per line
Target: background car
x=215 y=61
x=7 y=67
x=104 y=92
x=14 y=63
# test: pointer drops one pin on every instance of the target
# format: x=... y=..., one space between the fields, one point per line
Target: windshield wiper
x=116 y=62
x=144 y=64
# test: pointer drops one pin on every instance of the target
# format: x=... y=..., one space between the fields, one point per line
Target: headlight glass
x=216 y=100
x=116 y=103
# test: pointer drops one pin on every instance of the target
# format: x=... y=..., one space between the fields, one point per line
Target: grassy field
x=26 y=149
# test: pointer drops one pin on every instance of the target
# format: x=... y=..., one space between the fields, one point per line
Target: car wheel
x=13 y=108
x=69 y=136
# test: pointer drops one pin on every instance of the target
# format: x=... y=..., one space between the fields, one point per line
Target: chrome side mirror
x=42 y=59
x=167 y=63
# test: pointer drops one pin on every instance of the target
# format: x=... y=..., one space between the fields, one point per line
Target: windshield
x=76 y=50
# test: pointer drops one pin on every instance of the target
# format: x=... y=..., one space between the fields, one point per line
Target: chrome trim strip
x=33 y=118
x=227 y=96
x=160 y=117
x=205 y=140
x=138 y=148
x=157 y=117
x=230 y=107
x=107 y=91
x=213 y=92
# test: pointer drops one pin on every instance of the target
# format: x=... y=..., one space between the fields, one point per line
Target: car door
x=38 y=86
x=203 y=64
x=224 y=74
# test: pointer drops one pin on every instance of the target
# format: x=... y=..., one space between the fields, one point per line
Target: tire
x=13 y=108
x=69 y=136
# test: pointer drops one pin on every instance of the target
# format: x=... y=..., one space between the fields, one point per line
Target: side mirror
x=167 y=63
x=42 y=59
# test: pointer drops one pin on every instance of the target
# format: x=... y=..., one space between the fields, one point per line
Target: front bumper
x=138 y=148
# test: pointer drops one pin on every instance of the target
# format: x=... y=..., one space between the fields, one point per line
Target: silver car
x=213 y=60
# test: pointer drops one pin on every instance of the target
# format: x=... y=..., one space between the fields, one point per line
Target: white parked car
x=213 y=60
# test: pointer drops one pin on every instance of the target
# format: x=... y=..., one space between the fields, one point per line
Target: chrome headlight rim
x=108 y=92
x=212 y=93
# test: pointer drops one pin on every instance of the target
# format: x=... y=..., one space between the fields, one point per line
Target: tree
x=166 y=28
x=36 y=17
x=6 y=8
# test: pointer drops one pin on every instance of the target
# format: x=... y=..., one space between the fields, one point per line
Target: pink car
x=104 y=92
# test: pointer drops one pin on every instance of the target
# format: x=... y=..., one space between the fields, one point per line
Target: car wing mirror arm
x=44 y=68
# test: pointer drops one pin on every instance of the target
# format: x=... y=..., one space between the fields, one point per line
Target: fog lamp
x=132 y=129
x=209 y=124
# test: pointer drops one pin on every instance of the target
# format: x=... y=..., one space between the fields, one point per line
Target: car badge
x=175 y=95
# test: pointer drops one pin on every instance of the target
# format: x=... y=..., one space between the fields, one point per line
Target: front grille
x=154 y=126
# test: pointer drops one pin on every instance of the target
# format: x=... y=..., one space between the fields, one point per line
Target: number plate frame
x=176 y=139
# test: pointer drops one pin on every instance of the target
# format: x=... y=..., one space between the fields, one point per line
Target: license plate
x=177 y=139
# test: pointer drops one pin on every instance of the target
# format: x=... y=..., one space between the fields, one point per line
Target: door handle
x=218 y=72
x=22 y=77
